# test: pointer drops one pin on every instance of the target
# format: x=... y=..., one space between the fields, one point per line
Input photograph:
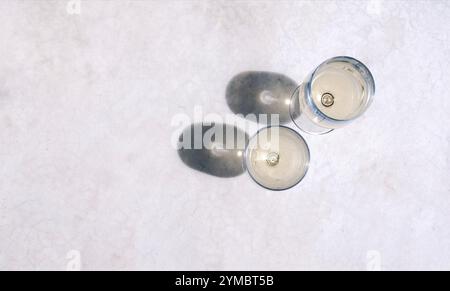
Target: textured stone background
x=87 y=169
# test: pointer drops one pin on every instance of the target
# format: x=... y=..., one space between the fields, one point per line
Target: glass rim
x=306 y=164
x=358 y=65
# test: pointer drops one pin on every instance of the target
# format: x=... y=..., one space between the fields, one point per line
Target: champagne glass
x=277 y=157
x=337 y=92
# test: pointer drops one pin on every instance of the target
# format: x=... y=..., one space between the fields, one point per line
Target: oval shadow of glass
x=215 y=149
x=261 y=93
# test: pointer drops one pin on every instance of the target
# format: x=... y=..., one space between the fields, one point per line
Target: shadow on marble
x=257 y=92
x=216 y=157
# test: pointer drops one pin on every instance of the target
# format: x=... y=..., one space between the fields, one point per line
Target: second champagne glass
x=337 y=92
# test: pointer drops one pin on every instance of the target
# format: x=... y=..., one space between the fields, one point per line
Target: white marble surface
x=87 y=172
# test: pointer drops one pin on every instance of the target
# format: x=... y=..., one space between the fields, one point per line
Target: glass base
x=301 y=118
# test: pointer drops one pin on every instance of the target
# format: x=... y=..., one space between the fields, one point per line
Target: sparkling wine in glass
x=337 y=92
x=277 y=157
